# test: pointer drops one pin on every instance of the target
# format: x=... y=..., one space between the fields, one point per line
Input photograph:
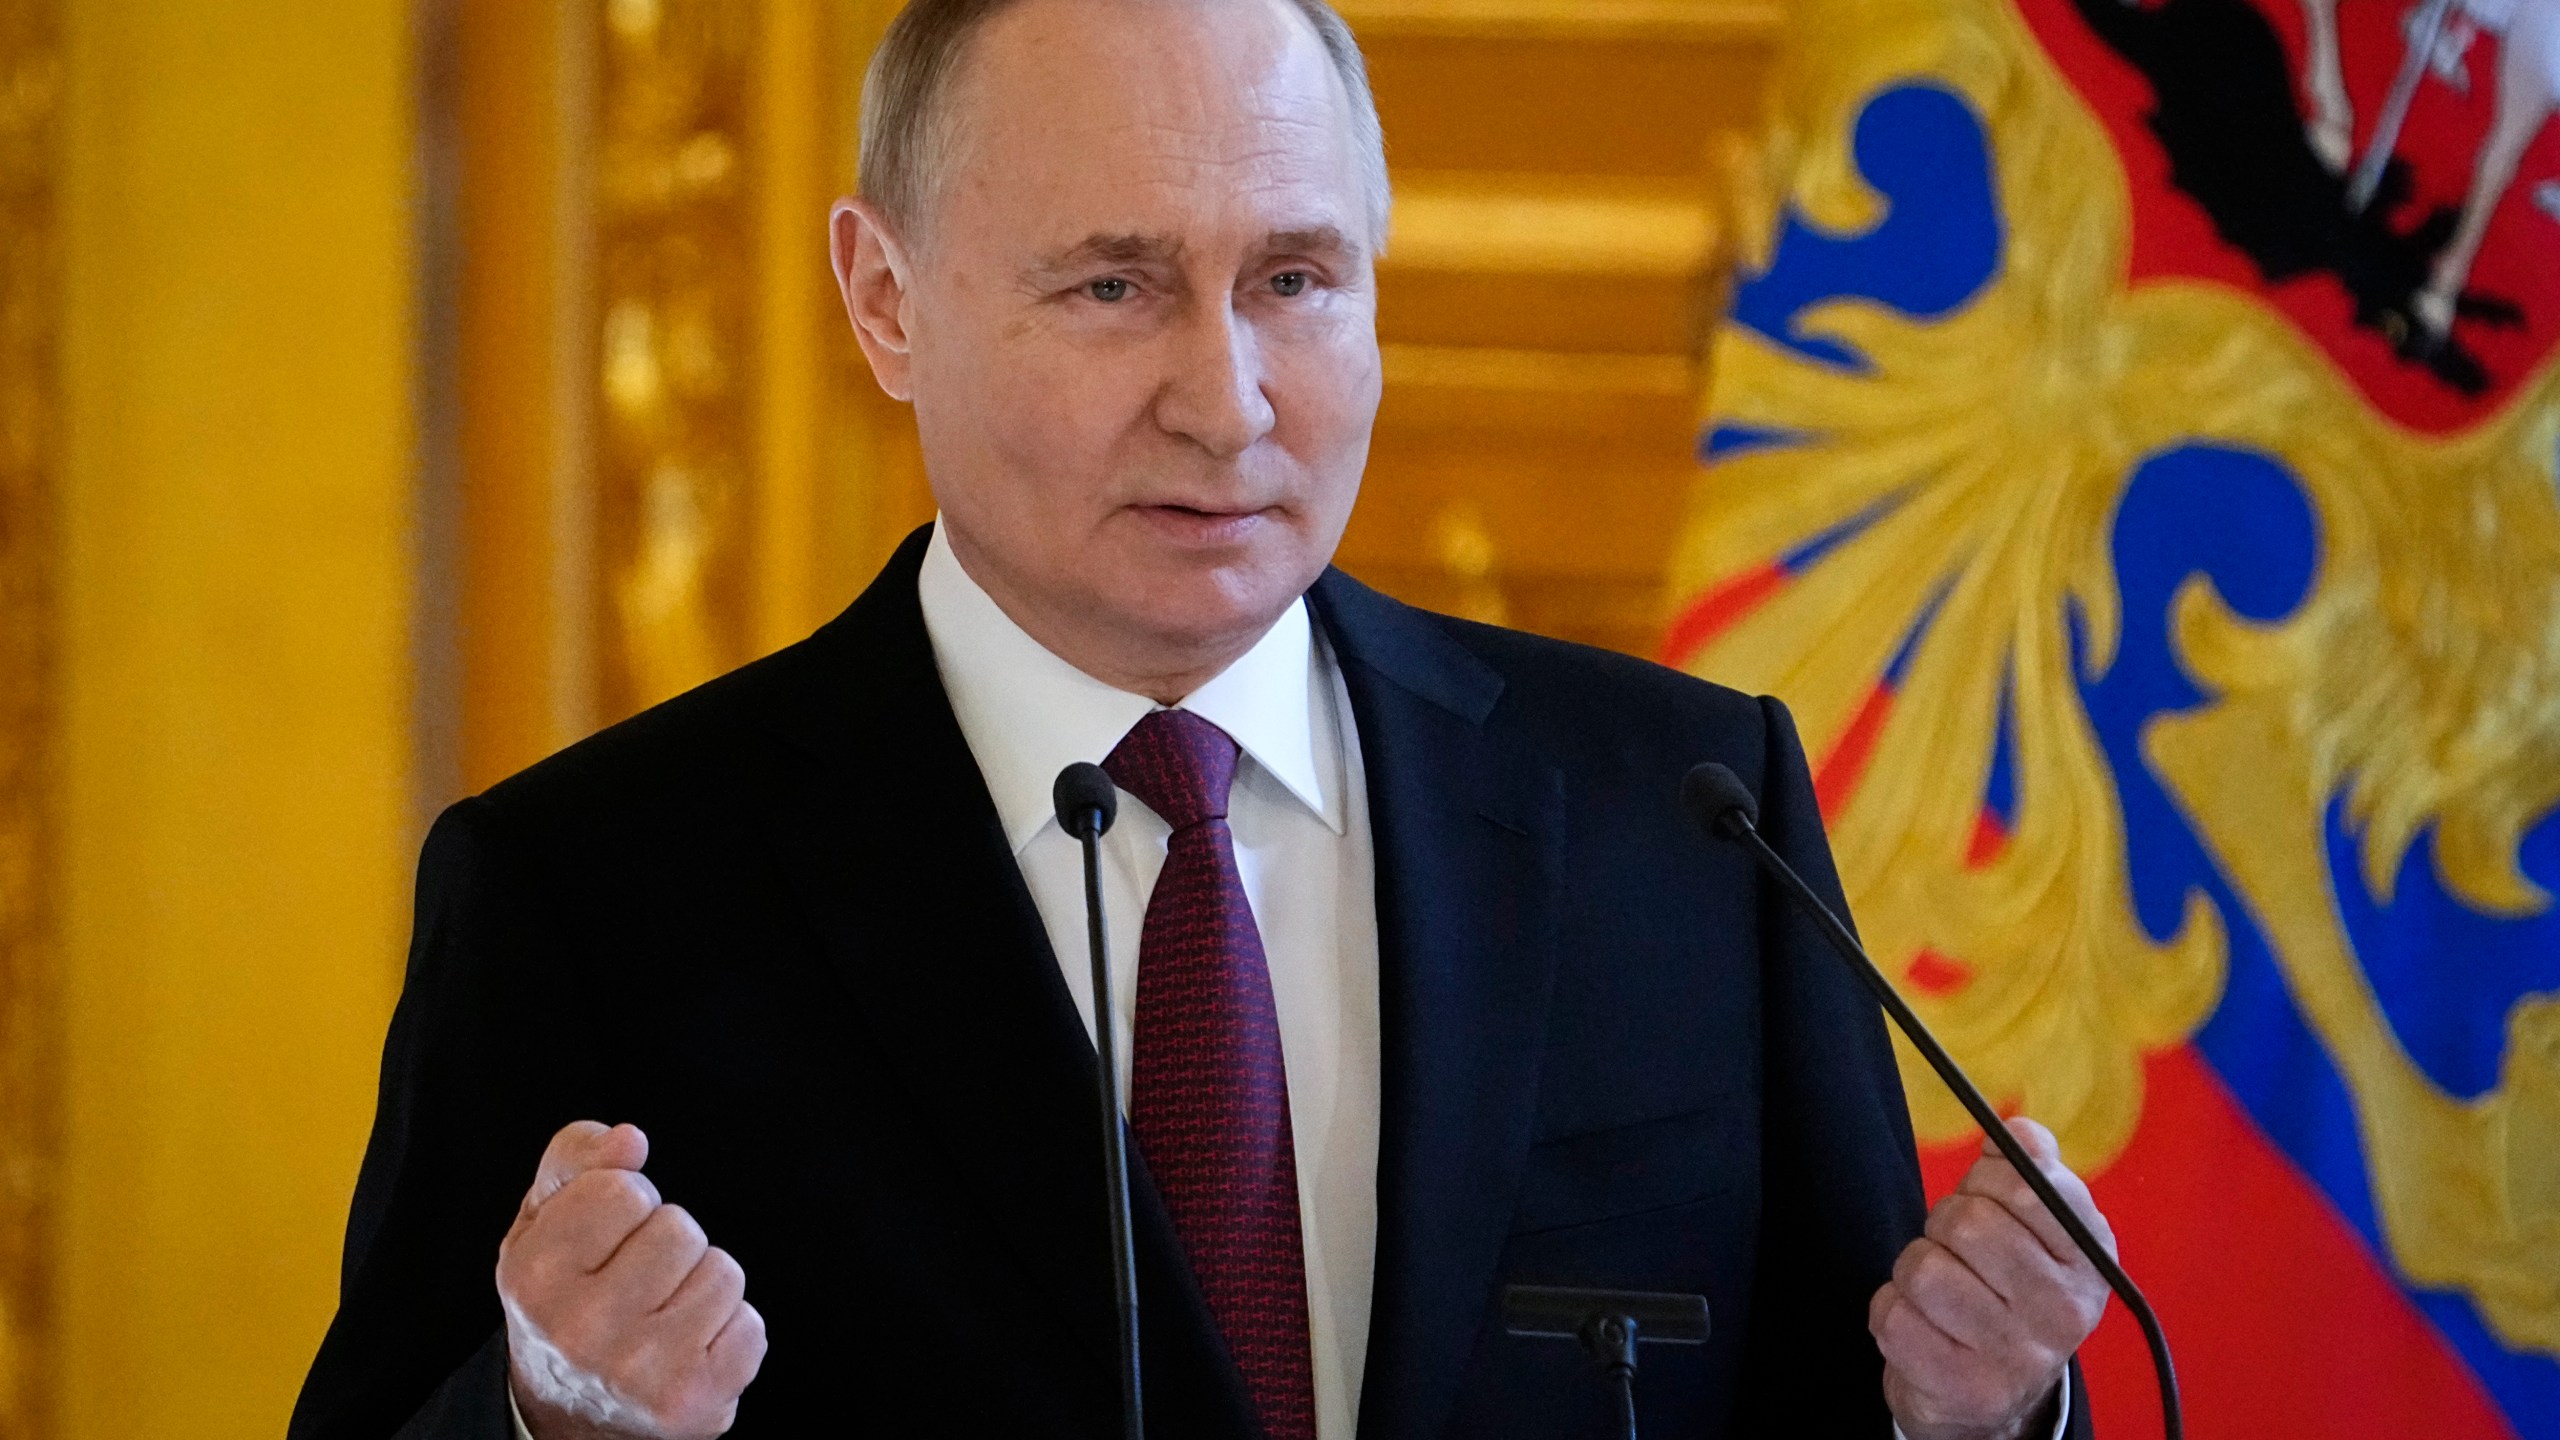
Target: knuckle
x=2011 y=1188
x=1963 y=1221
x=531 y=1271
x=1900 y=1340
x=601 y=1196
x=1935 y=1272
x=525 y=1273
x=681 y=1225
x=2088 y=1309
x=2003 y=1186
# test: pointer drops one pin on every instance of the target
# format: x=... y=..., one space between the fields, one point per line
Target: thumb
x=581 y=1146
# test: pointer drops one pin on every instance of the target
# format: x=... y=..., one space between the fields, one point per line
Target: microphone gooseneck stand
x=1087 y=803
x=1610 y=1324
x=1718 y=800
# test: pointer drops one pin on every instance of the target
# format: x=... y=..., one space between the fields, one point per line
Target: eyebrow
x=1133 y=249
x=1315 y=240
x=1113 y=250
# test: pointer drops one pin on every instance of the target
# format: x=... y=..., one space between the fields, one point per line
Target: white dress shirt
x=1300 y=816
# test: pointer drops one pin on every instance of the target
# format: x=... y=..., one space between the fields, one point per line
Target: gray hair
x=906 y=132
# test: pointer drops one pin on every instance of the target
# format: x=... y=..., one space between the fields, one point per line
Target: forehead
x=1139 y=115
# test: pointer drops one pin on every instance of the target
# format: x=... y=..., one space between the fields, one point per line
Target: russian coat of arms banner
x=2136 y=457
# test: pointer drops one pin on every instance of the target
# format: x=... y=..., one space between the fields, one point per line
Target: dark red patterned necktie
x=1209 y=1095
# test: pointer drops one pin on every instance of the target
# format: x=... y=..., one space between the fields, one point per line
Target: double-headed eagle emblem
x=2141 y=634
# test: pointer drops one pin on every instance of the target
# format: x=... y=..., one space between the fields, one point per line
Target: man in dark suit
x=1429 y=985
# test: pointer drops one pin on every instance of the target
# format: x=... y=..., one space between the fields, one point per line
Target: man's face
x=1140 y=324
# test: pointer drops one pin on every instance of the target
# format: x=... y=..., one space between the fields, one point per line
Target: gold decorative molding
x=1566 y=187
x=30 y=269
x=1538 y=372
x=1552 y=225
x=676 y=315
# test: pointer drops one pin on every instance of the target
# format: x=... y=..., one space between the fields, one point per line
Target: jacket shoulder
x=679 y=750
x=1578 y=692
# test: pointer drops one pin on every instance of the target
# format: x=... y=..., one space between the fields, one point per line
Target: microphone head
x=1717 y=799
x=1087 y=801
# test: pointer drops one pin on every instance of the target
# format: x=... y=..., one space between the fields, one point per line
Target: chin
x=1209 y=603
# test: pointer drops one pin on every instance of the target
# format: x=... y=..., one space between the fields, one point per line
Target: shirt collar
x=1028 y=714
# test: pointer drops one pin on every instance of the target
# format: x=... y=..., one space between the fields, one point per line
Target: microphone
x=1087 y=803
x=1722 y=805
x=1610 y=1324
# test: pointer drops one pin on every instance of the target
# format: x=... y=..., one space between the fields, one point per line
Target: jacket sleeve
x=1840 y=1175
x=478 y=1071
x=472 y=1402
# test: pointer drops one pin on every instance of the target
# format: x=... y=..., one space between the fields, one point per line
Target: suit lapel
x=1467 y=822
x=894 y=846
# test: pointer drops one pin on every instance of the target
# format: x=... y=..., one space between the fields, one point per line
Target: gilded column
x=677 y=290
x=30 y=87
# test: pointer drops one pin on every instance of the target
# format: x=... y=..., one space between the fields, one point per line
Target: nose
x=1213 y=395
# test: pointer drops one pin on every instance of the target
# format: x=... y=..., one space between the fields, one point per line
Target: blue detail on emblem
x=1898 y=669
x=1809 y=554
x=1726 y=441
x=2445 y=973
x=2000 y=791
x=1926 y=153
x=2240 y=519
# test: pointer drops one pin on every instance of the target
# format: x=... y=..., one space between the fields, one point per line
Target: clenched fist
x=1986 y=1308
x=622 y=1320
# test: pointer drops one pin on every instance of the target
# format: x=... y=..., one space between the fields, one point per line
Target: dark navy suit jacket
x=775 y=923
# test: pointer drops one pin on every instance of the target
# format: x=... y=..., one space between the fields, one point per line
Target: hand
x=1986 y=1308
x=622 y=1320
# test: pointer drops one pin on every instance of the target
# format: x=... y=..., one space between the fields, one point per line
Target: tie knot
x=1179 y=764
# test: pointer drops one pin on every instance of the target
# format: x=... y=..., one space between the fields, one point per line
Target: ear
x=873 y=272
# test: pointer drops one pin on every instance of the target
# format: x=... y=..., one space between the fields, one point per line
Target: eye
x=1109 y=292
x=1289 y=283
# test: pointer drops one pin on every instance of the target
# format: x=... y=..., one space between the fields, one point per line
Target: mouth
x=1203 y=526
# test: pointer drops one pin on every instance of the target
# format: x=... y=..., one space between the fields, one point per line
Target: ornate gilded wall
x=675 y=240
x=718 y=131
x=30 y=87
